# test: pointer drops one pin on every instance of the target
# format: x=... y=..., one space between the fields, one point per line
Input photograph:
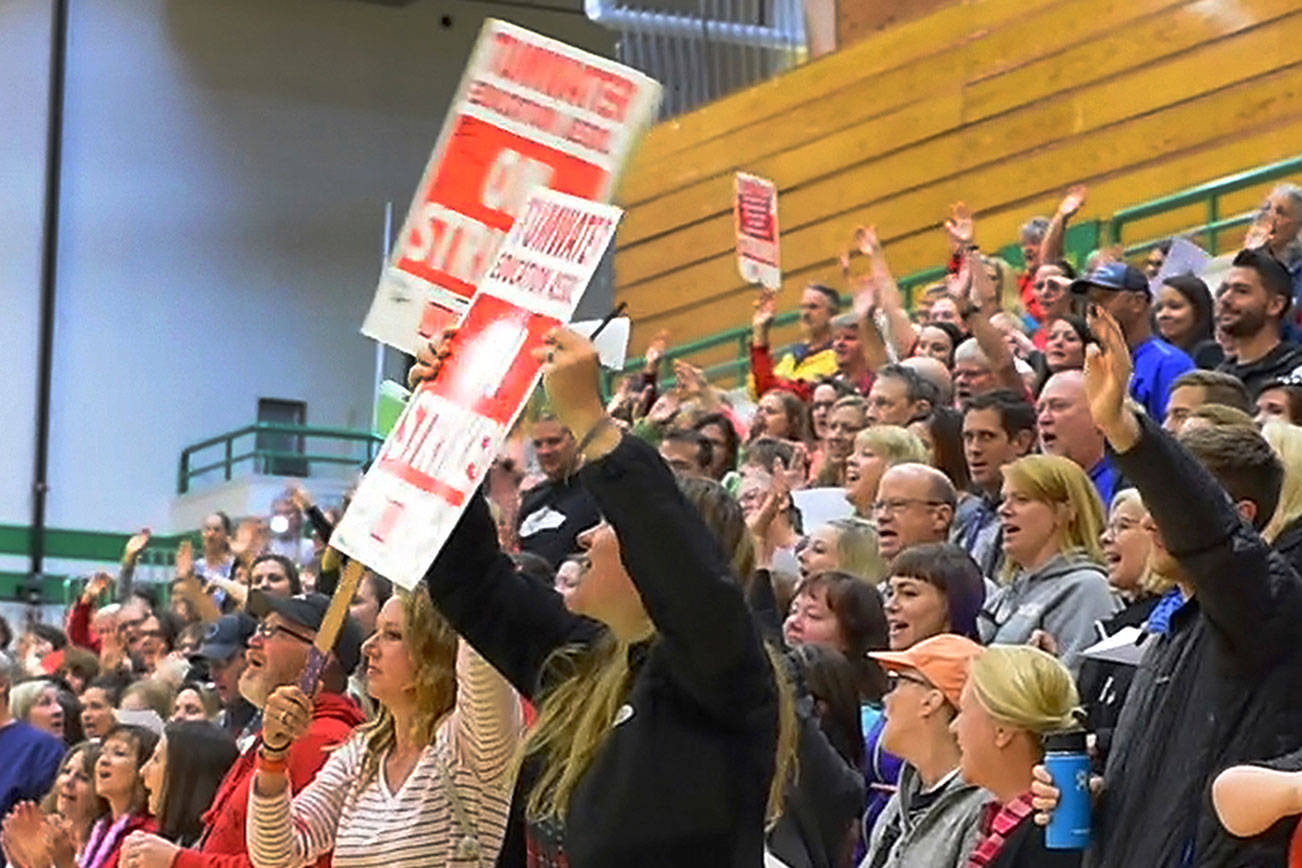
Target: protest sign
x=455 y=424
x=529 y=112
x=1183 y=257
x=755 y=215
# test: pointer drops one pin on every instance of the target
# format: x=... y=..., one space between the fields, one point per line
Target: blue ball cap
x=1116 y=276
x=226 y=637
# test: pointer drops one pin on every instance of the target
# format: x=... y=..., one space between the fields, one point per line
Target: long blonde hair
x=1024 y=687
x=857 y=551
x=577 y=715
x=432 y=645
x=1286 y=440
x=1056 y=480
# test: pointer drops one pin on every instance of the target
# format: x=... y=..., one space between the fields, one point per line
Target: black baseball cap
x=226 y=637
x=309 y=610
x=1116 y=276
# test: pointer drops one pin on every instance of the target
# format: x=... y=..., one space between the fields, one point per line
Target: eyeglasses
x=1122 y=525
x=267 y=631
x=893 y=680
x=899 y=503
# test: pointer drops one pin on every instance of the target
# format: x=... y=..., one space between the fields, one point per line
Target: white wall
x=24 y=75
x=225 y=170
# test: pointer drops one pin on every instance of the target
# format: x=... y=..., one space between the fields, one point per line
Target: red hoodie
x=222 y=844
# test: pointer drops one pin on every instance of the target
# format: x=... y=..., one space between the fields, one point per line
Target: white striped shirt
x=415 y=826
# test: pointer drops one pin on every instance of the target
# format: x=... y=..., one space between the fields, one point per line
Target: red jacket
x=222 y=845
x=79 y=626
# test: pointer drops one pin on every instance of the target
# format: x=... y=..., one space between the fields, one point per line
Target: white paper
x=821 y=505
x=612 y=343
x=1184 y=257
x=1120 y=647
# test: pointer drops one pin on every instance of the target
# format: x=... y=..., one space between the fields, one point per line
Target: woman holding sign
x=658 y=730
x=426 y=782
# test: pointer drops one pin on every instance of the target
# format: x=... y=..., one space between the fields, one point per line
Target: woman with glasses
x=1126 y=547
x=1055 y=585
x=932 y=817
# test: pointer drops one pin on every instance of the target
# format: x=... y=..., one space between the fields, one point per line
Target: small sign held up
x=529 y=112
x=755 y=214
x=454 y=425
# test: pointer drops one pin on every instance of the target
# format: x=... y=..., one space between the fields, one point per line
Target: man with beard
x=1122 y=290
x=1252 y=303
x=807 y=361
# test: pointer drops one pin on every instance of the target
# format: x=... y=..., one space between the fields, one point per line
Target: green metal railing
x=1208 y=194
x=1079 y=241
x=261 y=456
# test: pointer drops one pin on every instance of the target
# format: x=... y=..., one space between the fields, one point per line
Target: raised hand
x=1258 y=234
x=1073 y=201
x=1107 y=380
x=865 y=299
x=184 y=560
x=664 y=409
x=760 y=522
x=960 y=227
x=302 y=499
x=983 y=294
x=136 y=545
x=98 y=584
x=622 y=397
x=250 y=539
x=766 y=308
x=867 y=242
x=691 y=379
x=655 y=351
x=429 y=361
x=570 y=373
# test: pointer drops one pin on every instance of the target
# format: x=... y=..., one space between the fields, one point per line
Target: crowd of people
x=832 y=619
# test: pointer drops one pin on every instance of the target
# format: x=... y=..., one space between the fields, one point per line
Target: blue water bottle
x=1069 y=766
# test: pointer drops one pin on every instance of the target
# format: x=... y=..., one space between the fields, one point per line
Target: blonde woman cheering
x=658 y=729
x=427 y=782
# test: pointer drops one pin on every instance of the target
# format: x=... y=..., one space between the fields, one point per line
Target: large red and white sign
x=755 y=214
x=454 y=425
x=530 y=112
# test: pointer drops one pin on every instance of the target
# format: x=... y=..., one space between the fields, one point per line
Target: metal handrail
x=186 y=472
x=1209 y=192
x=741 y=335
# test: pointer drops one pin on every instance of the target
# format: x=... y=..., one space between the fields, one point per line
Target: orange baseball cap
x=943 y=660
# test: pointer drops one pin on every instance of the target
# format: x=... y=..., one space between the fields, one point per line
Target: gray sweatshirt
x=942 y=836
x=1064 y=598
